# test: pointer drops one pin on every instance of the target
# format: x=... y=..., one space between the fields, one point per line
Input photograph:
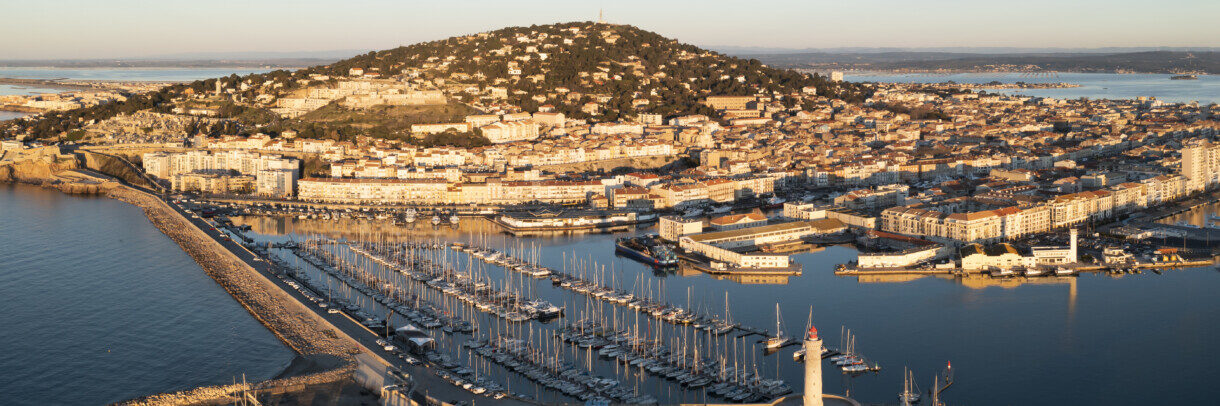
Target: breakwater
x=289 y=320
x=297 y=327
x=228 y=394
x=327 y=351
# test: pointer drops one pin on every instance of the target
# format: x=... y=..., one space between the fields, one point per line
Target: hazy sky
x=136 y=28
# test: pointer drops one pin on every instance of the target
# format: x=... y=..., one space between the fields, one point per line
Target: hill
x=599 y=72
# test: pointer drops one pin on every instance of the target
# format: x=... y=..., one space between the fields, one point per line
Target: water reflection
x=1028 y=333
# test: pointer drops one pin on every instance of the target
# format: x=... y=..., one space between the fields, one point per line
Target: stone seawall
x=325 y=355
x=226 y=394
x=298 y=327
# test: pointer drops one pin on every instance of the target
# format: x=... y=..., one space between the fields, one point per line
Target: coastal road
x=424 y=377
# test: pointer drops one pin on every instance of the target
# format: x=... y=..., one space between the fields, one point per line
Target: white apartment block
x=509 y=131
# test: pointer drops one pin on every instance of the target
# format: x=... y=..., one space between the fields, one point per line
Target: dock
x=703 y=265
x=1079 y=268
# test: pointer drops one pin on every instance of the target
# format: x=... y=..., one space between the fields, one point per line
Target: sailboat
x=909 y=394
x=779 y=340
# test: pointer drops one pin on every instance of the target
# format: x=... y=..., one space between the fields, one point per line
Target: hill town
x=613 y=118
x=590 y=127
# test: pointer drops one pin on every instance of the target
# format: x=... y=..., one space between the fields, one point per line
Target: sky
x=92 y=29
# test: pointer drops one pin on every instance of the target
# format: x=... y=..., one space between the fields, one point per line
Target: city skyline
x=74 y=29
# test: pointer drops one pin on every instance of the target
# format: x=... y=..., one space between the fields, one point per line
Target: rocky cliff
x=49 y=168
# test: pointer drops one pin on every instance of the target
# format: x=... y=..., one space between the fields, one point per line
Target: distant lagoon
x=9 y=115
x=132 y=74
x=1205 y=90
x=116 y=74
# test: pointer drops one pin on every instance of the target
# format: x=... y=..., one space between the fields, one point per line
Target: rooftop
x=752 y=231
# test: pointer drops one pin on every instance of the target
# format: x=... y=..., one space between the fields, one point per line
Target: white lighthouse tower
x=813 y=368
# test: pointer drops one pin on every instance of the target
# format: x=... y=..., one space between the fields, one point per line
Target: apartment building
x=510 y=131
x=1201 y=165
x=279 y=173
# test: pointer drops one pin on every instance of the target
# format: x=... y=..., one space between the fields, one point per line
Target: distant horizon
x=260 y=56
x=126 y=29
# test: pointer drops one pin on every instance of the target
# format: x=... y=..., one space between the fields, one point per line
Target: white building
x=671 y=227
x=502 y=132
x=276 y=182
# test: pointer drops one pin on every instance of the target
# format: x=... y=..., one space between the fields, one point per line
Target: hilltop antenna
x=601 y=18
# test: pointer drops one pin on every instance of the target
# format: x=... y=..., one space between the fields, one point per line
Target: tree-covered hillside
x=585 y=70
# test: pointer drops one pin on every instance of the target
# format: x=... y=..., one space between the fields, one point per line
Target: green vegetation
x=394 y=119
x=639 y=65
x=334 y=121
x=916 y=113
x=453 y=138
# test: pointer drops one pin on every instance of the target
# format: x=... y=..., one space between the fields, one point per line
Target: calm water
x=143 y=74
x=137 y=74
x=1093 y=340
x=9 y=115
x=1093 y=85
x=6 y=90
x=99 y=306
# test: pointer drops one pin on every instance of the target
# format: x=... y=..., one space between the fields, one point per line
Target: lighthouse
x=813 y=368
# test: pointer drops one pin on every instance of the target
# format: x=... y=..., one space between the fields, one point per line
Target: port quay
x=357 y=340
x=426 y=287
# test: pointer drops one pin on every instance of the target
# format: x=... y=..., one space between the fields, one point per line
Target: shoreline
x=858 y=71
x=322 y=354
x=53 y=84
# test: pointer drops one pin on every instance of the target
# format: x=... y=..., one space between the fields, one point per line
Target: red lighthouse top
x=812 y=334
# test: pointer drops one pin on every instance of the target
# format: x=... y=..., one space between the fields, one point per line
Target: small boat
x=722 y=209
x=453 y=219
x=1002 y=272
x=778 y=340
x=645 y=249
x=436 y=220
x=1061 y=271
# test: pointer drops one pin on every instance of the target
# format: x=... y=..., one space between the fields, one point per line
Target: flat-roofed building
x=216 y=182
x=509 y=131
x=672 y=227
x=729 y=102
x=426 y=129
x=726 y=246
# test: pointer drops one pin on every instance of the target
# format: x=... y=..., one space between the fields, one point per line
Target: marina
x=837 y=302
x=693 y=353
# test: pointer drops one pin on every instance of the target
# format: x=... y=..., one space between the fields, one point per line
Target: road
x=423 y=375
